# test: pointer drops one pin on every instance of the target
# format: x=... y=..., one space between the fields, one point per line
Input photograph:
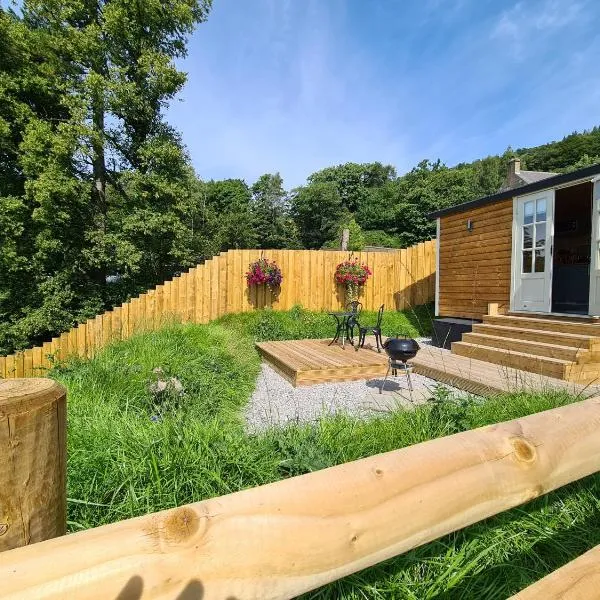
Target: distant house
x=516 y=178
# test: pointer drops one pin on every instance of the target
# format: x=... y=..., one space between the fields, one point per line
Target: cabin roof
x=538 y=184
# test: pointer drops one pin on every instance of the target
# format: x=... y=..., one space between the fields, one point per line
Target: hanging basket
x=353 y=275
x=264 y=272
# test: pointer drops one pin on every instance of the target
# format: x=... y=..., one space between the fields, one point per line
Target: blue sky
x=297 y=85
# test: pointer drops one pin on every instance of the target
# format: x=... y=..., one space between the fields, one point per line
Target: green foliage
x=271 y=210
x=356 y=239
x=560 y=156
x=354 y=181
x=299 y=323
x=94 y=185
x=319 y=212
x=121 y=463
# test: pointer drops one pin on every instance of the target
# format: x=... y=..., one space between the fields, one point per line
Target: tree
x=318 y=212
x=228 y=220
x=104 y=182
x=353 y=181
x=271 y=211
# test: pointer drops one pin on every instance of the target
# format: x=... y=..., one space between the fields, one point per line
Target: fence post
x=32 y=461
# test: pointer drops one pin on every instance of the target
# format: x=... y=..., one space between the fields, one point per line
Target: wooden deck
x=307 y=362
x=485 y=378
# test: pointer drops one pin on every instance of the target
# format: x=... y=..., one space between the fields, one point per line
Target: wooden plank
x=159 y=306
x=28 y=363
x=81 y=340
x=72 y=335
x=479 y=215
x=46 y=353
x=9 y=367
x=107 y=328
x=2 y=367
x=239 y=281
x=214 y=288
x=577 y=580
x=37 y=368
x=245 y=262
x=115 y=332
x=125 y=321
x=190 y=289
x=63 y=349
x=182 y=297
x=228 y=288
x=152 y=319
x=19 y=365
x=198 y=293
x=222 y=295
x=98 y=337
x=207 y=291
x=279 y=555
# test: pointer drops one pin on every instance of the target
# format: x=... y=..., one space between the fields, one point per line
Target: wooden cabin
x=518 y=274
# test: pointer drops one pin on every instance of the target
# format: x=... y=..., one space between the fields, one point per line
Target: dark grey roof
x=542 y=184
x=521 y=178
x=533 y=176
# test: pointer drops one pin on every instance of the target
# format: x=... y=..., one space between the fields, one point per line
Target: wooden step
x=554 y=325
x=550 y=367
x=583 y=342
x=525 y=346
x=587 y=373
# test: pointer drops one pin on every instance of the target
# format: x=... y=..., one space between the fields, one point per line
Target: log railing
x=401 y=279
x=289 y=537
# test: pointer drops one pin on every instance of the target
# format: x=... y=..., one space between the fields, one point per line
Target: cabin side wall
x=474 y=265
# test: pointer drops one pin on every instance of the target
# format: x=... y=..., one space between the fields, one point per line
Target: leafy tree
x=559 y=156
x=270 y=207
x=104 y=183
x=318 y=212
x=353 y=181
x=356 y=238
x=228 y=215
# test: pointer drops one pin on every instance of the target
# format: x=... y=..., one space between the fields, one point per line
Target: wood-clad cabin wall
x=475 y=265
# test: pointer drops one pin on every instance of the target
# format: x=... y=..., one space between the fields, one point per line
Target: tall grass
x=131 y=452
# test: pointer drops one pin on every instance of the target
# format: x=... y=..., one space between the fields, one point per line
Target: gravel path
x=276 y=402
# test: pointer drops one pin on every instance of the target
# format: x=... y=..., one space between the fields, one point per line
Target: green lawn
x=131 y=453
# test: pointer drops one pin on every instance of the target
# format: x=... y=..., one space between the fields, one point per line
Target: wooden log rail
x=289 y=537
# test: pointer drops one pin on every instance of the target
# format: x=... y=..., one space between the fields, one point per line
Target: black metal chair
x=354 y=307
x=374 y=329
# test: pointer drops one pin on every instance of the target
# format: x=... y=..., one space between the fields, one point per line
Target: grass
x=132 y=452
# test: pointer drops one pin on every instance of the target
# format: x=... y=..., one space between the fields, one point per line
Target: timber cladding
x=475 y=265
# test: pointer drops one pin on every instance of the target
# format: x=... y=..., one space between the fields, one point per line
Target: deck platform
x=486 y=378
x=308 y=362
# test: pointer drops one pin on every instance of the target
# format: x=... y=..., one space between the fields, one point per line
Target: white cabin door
x=595 y=255
x=533 y=229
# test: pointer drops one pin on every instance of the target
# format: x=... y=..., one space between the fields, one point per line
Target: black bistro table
x=342 y=319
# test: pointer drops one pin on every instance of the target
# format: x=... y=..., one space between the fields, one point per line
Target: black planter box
x=450 y=329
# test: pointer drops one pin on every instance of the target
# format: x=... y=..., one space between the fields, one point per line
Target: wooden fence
x=401 y=279
x=283 y=539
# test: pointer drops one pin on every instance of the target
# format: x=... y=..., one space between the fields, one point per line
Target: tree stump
x=32 y=461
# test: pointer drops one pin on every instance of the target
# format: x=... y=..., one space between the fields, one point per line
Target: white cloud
x=523 y=24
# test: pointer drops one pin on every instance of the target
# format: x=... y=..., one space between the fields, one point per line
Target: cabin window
x=534 y=236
